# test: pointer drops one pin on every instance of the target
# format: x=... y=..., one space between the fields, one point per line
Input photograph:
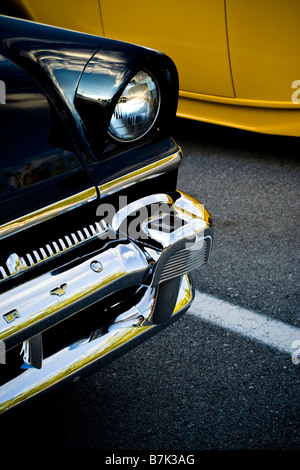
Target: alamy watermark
x=2 y=92
x=2 y=352
x=296 y=353
x=296 y=93
x=137 y=220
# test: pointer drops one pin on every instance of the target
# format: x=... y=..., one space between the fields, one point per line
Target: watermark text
x=296 y=353
x=2 y=352
x=2 y=92
x=296 y=93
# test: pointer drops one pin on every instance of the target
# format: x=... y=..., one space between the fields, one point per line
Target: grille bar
x=184 y=261
x=50 y=250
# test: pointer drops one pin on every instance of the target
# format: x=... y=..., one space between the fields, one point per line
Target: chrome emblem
x=11 y=316
x=61 y=290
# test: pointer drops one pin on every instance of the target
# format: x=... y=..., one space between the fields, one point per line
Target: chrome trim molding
x=55 y=295
x=77 y=286
x=70 y=361
x=185 y=246
x=131 y=208
x=149 y=171
x=48 y=212
x=156 y=270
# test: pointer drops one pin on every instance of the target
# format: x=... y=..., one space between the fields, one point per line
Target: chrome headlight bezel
x=137 y=108
x=101 y=85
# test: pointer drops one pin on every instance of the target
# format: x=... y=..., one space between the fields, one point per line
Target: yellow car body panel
x=194 y=37
x=78 y=15
x=238 y=61
x=264 y=41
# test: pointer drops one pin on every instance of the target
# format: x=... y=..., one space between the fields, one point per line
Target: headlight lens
x=137 y=108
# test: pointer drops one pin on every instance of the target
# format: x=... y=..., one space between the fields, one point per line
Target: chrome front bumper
x=150 y=273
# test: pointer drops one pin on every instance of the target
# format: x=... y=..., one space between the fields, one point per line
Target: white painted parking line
x=284 y=337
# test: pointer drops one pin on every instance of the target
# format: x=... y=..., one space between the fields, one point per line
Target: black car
x=96 y=240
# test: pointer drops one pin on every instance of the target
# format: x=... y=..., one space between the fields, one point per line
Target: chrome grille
x=184 y=261
x=16 y=264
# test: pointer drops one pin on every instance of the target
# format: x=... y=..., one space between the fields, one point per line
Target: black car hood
x=61 y=62
x=55 y=58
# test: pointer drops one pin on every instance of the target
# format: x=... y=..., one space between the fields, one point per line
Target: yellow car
x=238 y=61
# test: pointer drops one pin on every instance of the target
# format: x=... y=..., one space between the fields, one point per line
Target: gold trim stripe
x=53 y=210
x=154 y=169
x=48 y=212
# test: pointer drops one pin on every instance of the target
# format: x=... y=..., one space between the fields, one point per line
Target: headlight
x=137 y=108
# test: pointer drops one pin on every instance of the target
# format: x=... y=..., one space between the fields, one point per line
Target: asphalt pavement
x=199 y=385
